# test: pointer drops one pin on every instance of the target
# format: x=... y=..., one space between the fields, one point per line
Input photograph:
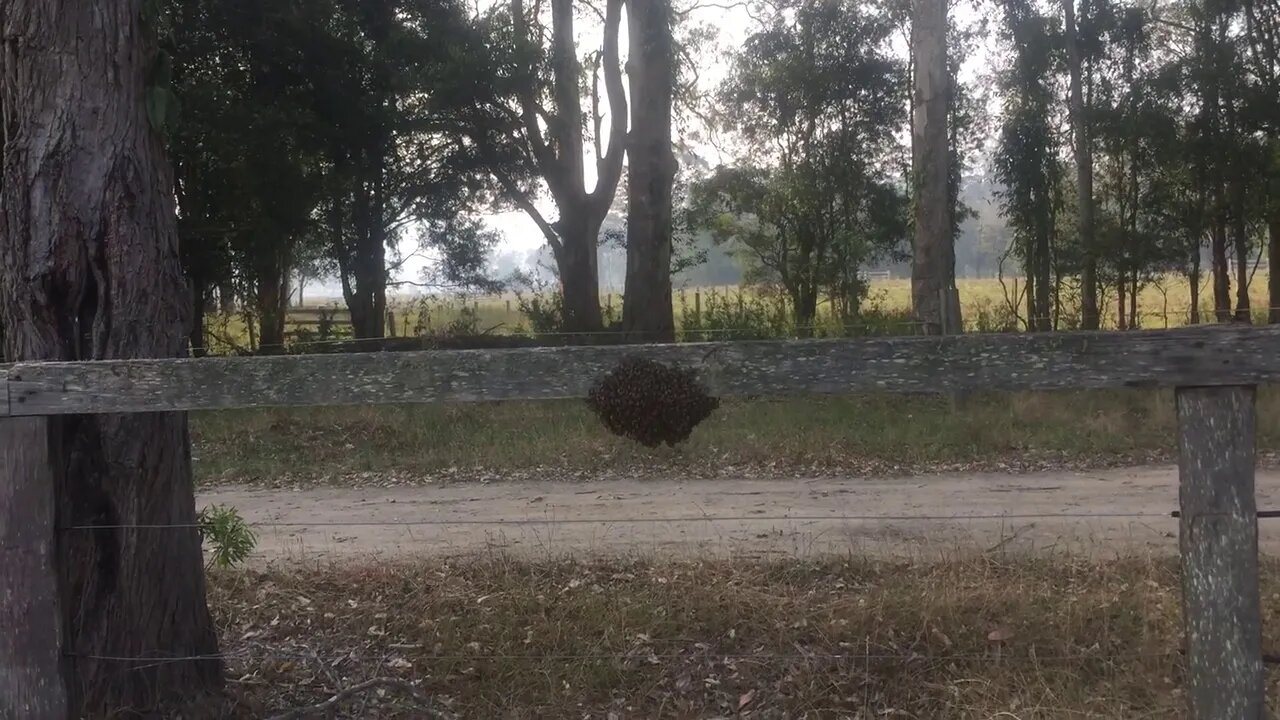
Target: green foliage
x=732 y=316
x=227 y=535
x=811 y=95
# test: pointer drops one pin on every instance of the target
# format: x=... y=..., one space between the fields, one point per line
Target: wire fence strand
x=651 y=520
x=637 y=655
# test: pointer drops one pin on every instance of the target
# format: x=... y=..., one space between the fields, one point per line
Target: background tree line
x=1118 y=141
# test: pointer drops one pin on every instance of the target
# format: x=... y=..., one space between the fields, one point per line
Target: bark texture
x=646 y=310
x=932 y=267
x=89 y=269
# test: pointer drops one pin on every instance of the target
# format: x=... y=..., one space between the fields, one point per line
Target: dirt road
x=1105 y=512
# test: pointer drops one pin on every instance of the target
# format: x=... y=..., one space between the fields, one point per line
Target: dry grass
x=847 y=436
x=986 y=638
x=1166 y=303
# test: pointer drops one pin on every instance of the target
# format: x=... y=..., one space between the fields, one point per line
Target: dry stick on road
x=428 y=705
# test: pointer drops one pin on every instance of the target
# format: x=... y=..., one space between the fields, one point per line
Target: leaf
x=745 y=699
x=1000 y=634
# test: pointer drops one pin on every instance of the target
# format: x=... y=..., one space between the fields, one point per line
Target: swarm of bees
x=651 y=403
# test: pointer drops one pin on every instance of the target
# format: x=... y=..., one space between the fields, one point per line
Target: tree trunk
x=1240 y=240
x=1273 y=269
x=226 y=298
x=1044 y=275
x=1193 y=278
x=1031 y=298
x=273 y=310
x=646 y=306
x=368 y=302
x=362 y=262
x=1221 y=274
x=199 y=306
x=574 y=237
x=932 y=268
x=1120 y=304
x=1083 y=150
x=90 y=270
x=1134 y=323
x=805 y=311
x=580 y=279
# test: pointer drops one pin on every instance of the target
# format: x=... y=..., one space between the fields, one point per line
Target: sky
x=733 y=23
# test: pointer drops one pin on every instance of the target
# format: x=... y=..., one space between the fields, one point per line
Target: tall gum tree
x=651 y=172
x=555 y=141
x=89 y=270
x=932 y=257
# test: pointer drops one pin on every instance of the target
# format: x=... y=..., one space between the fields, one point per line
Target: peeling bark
x=90 y=271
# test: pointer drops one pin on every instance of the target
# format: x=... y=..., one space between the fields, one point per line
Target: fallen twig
x=428 y=705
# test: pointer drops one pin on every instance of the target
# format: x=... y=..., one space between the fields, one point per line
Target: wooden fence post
x=32 y=682
x=1219 y=543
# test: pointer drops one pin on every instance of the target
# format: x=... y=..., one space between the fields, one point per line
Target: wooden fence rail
x=1214 y=369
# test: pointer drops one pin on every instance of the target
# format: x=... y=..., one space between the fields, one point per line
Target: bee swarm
x=650 y=402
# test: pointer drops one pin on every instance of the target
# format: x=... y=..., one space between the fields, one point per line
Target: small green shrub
x=736 y=316
x=227 y=534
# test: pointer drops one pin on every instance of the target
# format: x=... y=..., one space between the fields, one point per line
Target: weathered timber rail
x=1214 y=370
x=1205 y=356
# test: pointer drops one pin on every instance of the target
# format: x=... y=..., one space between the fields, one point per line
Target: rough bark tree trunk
x=579 y=278
x=932 y=268
x=647 y=314
x=1083 y=150
x=90 y=270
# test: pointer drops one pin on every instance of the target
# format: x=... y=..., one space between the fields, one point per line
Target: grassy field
x=815 y=436
x=1033 y=639
x=985 y=305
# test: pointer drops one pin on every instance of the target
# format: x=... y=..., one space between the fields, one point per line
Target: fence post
x=32 y=682
x=1219 y=544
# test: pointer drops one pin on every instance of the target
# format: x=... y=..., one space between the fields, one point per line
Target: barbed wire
x=650 y=520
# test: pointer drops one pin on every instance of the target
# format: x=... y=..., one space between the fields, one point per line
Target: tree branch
x=610 y=166
x=547 y=161
x=522 y=201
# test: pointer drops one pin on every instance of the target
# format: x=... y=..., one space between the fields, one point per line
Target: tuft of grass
x=848 y=435
x=1051 y=637
x=228 y=537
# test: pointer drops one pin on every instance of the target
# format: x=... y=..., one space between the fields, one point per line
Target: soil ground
x=1107 y=512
